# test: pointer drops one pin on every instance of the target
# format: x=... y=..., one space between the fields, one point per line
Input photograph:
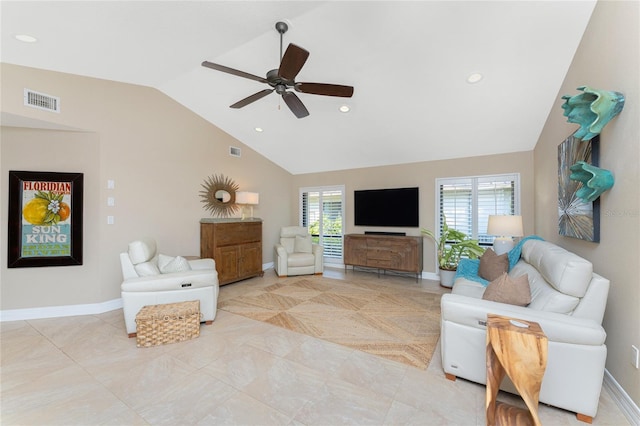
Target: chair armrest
x=317 y=248
x=472 y=312
x=281 y=251
x=201 y=264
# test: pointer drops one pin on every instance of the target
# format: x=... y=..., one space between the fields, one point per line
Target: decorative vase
x=446 y=278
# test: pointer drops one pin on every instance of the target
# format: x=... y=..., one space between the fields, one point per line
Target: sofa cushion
x=302 y=244
x=543 y=296
x=170 y=264
x=147 y=269
x=492 y=266
x=142 y=250
x=300 y=259
x=504 y=289
x=565 y=271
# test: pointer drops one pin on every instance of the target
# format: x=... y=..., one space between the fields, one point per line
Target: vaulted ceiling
x=408 y=61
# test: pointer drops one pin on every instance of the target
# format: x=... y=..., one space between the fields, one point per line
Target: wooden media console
x=384 y=252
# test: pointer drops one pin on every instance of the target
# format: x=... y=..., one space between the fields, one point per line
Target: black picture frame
x=45 y=219
x=577 y=218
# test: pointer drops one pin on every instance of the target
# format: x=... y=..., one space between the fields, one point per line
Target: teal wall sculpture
x=592 y=110
x=594 y=180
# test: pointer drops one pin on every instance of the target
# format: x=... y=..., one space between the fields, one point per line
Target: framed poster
x=45 y=219
x=577 y=218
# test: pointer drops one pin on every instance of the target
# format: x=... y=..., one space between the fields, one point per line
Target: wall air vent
x=43 y=101
x=235 y=152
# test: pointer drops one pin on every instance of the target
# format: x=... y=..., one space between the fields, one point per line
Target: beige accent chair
x=296 y=254
x=150 y=278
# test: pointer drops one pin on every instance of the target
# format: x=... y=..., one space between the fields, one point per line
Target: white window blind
x=322 y=212
x=467 y=202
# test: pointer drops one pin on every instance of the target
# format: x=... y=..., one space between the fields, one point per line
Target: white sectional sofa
x=567 y=300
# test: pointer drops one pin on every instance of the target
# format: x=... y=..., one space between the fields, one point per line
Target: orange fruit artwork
x=46 y=208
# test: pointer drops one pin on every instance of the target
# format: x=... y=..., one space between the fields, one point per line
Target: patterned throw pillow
x=492 y=265
x=504 y=289
x=168 y=264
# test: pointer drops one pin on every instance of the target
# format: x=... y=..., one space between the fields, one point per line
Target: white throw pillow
x=168 y=264
x=147 y=269
x=302 y=244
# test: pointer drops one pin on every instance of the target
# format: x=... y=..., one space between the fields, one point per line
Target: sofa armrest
x=472 y=312
x=202 y=264
x=173 y=281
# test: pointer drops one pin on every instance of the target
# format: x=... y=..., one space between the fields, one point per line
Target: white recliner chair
x=296 y=254
x=152 y=279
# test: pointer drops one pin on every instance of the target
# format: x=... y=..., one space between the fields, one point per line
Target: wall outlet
x=635 y=357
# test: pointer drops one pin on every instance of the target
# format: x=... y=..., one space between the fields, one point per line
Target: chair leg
x=450 y=376
x=208 y=322
x=132 y=335
x=584 y=418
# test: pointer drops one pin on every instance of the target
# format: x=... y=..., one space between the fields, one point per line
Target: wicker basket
x=168 y=323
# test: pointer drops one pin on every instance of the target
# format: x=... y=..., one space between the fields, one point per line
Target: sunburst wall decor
x=219 y=195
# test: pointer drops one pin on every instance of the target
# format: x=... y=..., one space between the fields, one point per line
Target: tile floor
x=84 y=370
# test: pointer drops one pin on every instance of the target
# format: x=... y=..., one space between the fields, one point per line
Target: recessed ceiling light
x=345 y=108
x=259 y=129
x=474 y=78
x=26 y=38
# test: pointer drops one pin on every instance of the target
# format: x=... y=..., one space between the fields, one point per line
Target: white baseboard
x=60 y=311
x=622 y=399
x=430 y=276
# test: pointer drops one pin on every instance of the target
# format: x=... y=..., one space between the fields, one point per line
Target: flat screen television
x=397 y=207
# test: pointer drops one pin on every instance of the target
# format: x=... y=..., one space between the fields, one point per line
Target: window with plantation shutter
x=467 y=202
x=322 y=212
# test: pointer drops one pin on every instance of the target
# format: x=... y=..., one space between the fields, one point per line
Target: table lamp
x=504 y=228
x=247 y=199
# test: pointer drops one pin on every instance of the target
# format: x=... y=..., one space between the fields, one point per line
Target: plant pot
x=446 y=278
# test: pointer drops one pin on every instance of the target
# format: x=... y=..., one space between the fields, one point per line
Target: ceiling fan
x=283 y=78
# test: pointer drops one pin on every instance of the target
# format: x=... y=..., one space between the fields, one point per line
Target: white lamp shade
x=505 y=226
x=249 y=198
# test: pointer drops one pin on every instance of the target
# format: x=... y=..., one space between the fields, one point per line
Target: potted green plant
x=451 y=247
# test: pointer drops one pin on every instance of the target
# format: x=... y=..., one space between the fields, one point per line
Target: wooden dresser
x=392 y=252
x=235 y=245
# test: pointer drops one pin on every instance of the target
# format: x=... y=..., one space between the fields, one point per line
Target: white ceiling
x=408 y=62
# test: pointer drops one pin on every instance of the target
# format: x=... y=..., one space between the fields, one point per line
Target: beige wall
x=422 y=175
x=606 y=59
x=158 y=153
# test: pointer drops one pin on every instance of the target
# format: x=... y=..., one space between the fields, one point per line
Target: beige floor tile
x=241 y=409
x=342 y=403
x=192 y=398
x=286 y=386
x=84 y=370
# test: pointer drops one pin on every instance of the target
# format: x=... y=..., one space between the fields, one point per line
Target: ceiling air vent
x=235 y=152
x=41 y=101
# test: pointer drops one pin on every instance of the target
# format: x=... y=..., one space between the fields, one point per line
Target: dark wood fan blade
x=325 y=89
x=292 y=62
x=249 y=99
x=233 y=71
x=295 y=104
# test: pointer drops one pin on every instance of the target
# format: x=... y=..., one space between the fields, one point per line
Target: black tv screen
x=387 y=207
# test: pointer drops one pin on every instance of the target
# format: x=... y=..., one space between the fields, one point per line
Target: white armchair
x=296 y=254
x=150 y=278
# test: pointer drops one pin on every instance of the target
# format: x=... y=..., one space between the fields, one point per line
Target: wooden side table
x=518 y=349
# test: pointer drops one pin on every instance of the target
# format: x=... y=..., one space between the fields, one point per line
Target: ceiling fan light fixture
x=474 y=78
x=26 y=38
